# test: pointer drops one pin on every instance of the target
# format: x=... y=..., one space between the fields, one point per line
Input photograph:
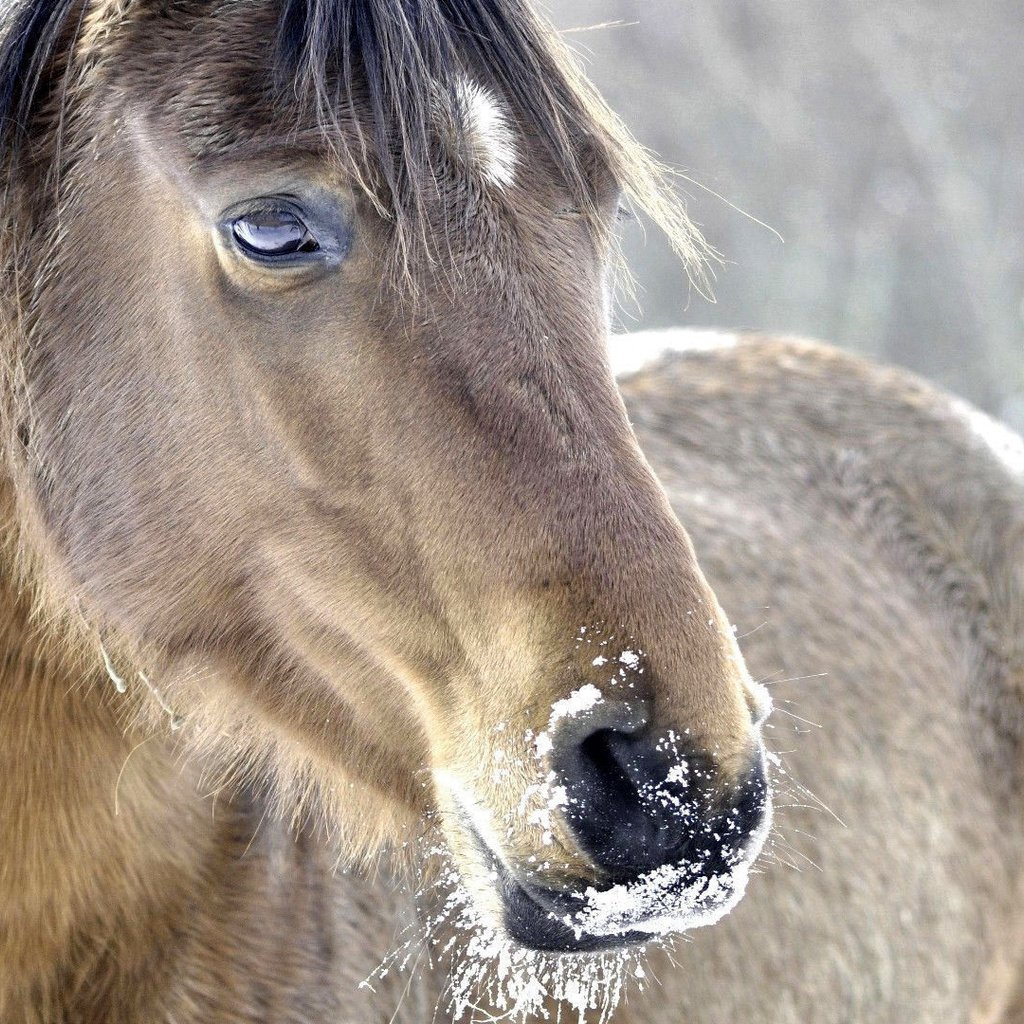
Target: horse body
x=849 y=509
x=856 y=514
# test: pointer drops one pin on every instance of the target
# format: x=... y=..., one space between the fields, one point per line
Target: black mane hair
x=29 y=33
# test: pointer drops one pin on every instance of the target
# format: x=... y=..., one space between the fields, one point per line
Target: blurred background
x=883 y=141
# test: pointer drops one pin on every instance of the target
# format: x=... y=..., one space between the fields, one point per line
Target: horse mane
x=27 y=42
x=405 y=60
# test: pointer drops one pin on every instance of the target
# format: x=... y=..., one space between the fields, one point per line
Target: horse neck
x=100 y=834
x=127 y=896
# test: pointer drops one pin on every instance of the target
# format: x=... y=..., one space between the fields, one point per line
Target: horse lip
x=554 y=925
x=537 y=917
x=542 y=918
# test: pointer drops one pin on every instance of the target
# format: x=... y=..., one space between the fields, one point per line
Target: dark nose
x=639 y=798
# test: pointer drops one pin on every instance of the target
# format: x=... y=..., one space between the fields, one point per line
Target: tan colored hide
x=865 y=540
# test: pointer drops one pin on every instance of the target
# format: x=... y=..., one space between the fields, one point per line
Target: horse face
x=371 y=523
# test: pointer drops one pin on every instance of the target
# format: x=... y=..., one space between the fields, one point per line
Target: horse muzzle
x=669 y=845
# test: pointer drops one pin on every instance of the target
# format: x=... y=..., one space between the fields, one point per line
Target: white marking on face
x=489 y=136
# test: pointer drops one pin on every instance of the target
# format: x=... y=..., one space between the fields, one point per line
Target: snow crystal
x=576 y=703
x=543 y=744
x=631 y=659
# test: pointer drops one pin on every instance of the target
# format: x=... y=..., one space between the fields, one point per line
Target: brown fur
x=346 y=529
x=913 y=915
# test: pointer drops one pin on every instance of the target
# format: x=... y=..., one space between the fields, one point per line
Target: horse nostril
x=624 y=717
x=620 y=782
x=638 y=801
x=614 y=789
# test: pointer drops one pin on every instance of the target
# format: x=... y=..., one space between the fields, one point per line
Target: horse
x=357 y=664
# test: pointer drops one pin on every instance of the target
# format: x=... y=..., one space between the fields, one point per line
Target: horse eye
x=273 y=232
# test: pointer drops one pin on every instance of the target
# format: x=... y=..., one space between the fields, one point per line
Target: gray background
x=883 y=140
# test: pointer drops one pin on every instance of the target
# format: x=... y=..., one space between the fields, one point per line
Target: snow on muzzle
x=670 y=843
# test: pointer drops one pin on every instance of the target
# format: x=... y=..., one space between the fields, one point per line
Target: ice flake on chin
x=657 y=904
x=484 y=967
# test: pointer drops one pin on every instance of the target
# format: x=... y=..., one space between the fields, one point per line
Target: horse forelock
x=489 y=70
x=469 y=71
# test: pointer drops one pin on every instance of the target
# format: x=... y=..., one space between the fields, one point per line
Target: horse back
x=865 y=533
